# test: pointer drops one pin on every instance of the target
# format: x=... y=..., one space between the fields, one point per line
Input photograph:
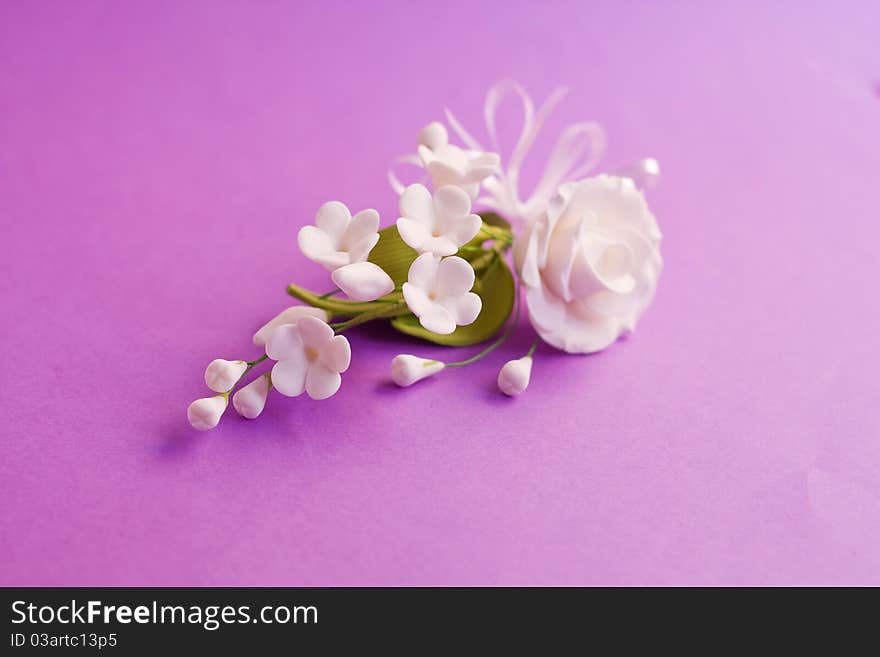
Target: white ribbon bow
x=578 y=150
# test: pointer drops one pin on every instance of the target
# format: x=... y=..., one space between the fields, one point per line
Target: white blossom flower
x=222 y=374
x=437 y=291
x=514 y=376
x=407 y=369
x=590 y=263
x=363 y=281
x=338 y=239
x=310 y=357
x=287 y=316
x=450 y=165
x=438 y=224
x=251 y=399
x=205 y=413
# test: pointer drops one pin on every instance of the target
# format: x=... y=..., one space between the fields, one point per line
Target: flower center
x=432 y=295
x=311 y=354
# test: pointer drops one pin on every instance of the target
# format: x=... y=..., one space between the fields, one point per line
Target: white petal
x=433 y=135
x=314 y=332
x=363 y=224
x=423 y=271
x=321 y=382
x=250 y=400
x=205 y=413
x=360 y=250
x=455 y=276
x=285 y=342
x=286 y=316
x=437 y=320
x=363 y=281
x=221 y=375
x=333 y=218
x=407 y=369
x=315 y=243
x=514 y=376
x=439 y=246
x=465 y=229
x=413 y=232
x=416 y=299
x=450 y=203
x=416 y=203
x=289 y=377
x=336 y=354
x=464 y=309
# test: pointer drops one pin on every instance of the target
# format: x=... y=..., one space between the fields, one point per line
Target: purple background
x=157 y=160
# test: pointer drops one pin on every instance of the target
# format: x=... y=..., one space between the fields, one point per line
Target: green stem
x=330 y=293
x=382 y=312
x=532 y=348
x=340 y=306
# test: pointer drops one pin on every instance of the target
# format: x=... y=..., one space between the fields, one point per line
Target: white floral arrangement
x=585 y=250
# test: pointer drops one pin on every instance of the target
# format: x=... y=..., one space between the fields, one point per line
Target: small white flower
x=222 y=374
x=205 y=413
x=407 y=369
x=437 y=291
x=310 y=357
x=287 y=316
x=250 y=400
x=338 y=239
x=450 y=165
x=440 y=224
x=514 y=376
x=363 y=281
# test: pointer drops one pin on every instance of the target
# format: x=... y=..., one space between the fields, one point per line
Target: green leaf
x=496 y=288
x=393 y=255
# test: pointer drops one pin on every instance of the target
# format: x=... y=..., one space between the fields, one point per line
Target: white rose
x=590 y=263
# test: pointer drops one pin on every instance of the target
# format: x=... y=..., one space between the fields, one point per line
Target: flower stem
x=382 y=312
x=532 y=348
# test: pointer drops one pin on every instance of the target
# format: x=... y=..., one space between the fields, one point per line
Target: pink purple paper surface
x=157 y=160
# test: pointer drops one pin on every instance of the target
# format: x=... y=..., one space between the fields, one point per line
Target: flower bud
x=363 y=281
x=221 y=374
x=407 y=369
x=434 y=135
x=514 y=376
x=250 y=400
x=205 y=413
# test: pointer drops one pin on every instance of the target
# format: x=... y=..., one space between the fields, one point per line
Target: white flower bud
x=407 y=369
x=434 y=136
x=514 y=376
x=221 y=374
x=250 y=400
x=363 y=281
x=205 y=413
